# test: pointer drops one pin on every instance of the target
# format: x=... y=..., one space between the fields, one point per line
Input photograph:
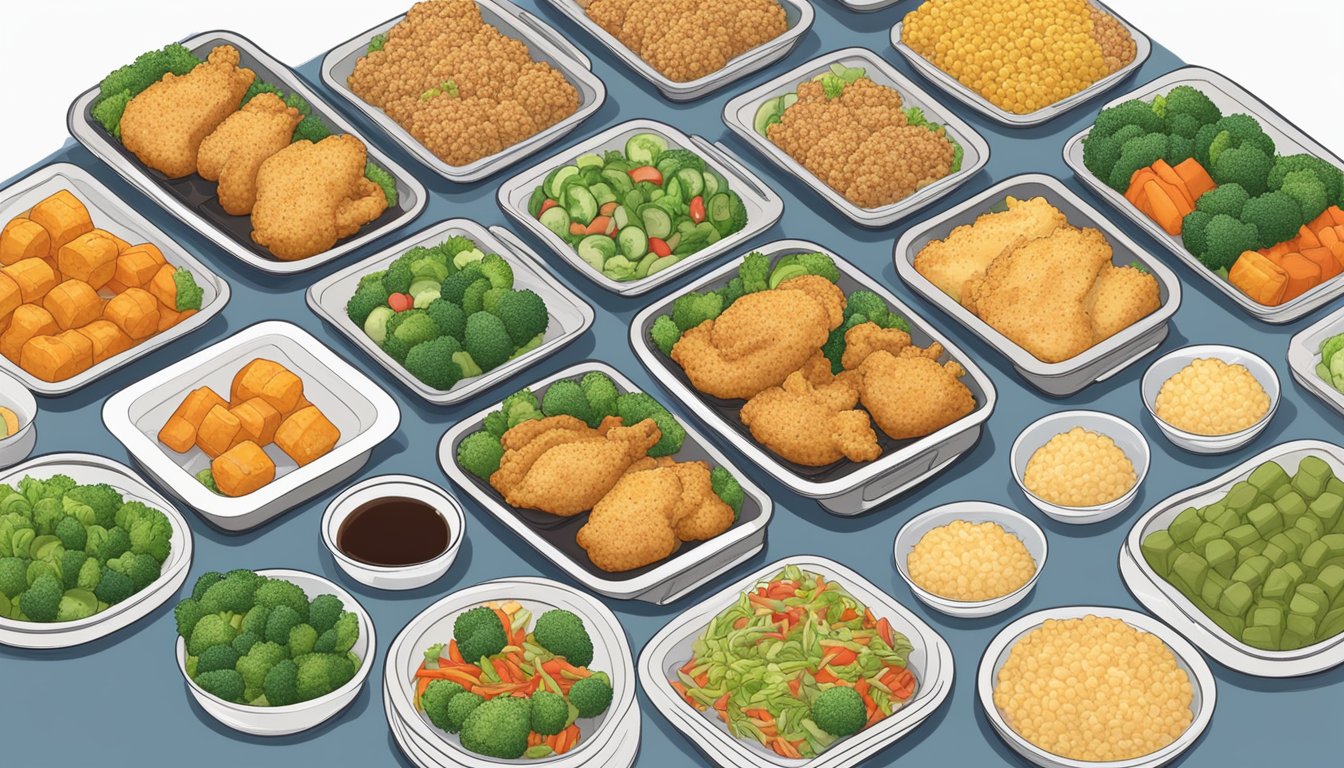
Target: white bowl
x=1039 y=432
x=972 y=512
x=283 y=721
x=398 y=576
x=17 y=398
x=1169 y=364
x=1187 y=658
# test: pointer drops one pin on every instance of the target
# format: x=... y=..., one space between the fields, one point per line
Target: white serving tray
x=1304 y=352
x=570 y=315
x=358 y=406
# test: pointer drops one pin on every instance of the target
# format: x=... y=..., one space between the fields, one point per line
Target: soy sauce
x=393 y=531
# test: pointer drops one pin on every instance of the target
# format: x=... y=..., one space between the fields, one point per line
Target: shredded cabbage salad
x=761 y=663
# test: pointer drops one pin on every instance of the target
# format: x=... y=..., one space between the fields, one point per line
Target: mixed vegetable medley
x=448 y=312
x=256 y=640
x=1270 y=224
x=796 y=664
x=632 y=213
x=509 y=688
x=69 y=551
x=1331 y=366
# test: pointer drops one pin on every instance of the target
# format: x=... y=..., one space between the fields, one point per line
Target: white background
x=1285 y=51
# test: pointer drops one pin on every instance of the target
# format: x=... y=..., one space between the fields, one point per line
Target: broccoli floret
x=102 y=498
x=376 y=43
x=141 y=568
x=1276 y=216
x=415 y=327
x=473 y=299
x=592 y=695
x=108 y=112
x=279 y=622
x=566 y=397
x=113 y=587
x=1225 y=240
x=1179 y=149
x=839 y=711
x=562 y=633
x=834 y=348
x=495 y=424
x=1230 y=132
x=727 y=487
x=487 y=340
x=498 y=728
x=732 y=291
x=479 y=633
x=866 y=303
x=469 y=367
x=258 y=661
x=244 y=642
x=449 y=317
x=398 y=278
x=322 y=673
x=272 y=593
x=255 y=620
x=1330 y=176
x=212 y=629
x=797 y=264
x=497 y=271
x=259 y=87
x=459 y=708
x=384 y=180
x=281 y=684
x=365 y=299
x=550 y=713
x=434 y=701
x=71 y=533
x=1136 y=153
x=692 y=309
x=1192 y=232
x=13 y=576
x=42 y=600
x=232 y=594
x=325 y=642
x=684 y=158
x=186 y=614
x=217 y=657
x=479 y=453
x=1132 y=112
x=601 y=393
x=634 y=407
x=225 y=684
x=1246 y=165
x=755 y=272
x=664 y=333
x=523 y=314
x=520 y=406
x=189 y=294
x=432 y=362
x=448 y=250
x=205 y=581
x=455 y=286
x=310 y=128
x=1307 y=191
x=148 y=68
x=152 y=536
x=1188 y=101
x=303 y=640
x=395 y=348
x=347 y=631
x=1100 y=152
x=1225 y=198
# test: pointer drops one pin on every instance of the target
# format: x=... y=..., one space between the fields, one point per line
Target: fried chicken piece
x=560 y=466
x=164 y=125
x=811 y=424
x=650 y=512
x=1120 y=297
x=1035 y=294
x=910 y=395
x=762 y=338
x=234 y=152
x=311 y=195
x=968 y=250
x=866 y=338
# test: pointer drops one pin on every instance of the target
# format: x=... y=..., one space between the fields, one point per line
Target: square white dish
x=570 y=315
x=358 y=406
x=1304 y=352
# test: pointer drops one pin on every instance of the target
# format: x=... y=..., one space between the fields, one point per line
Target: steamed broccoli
x=322 y=673
x=1229 y=132
x=479 y=453
x=634 y=407
x=108 y=112
x=1247 y=165
x=565 y=397
x=434 y=702
x=1308 y=191
x=142 y=569
x=71 y=533
x=258 y=661
x=692 y=309
x=112 y=588
x=147 y=69
x=254 y=620
x=13 y=576
x=1225 y=198
x=233 y=593
x=448 y=250
x=479 y=633
x=365 y=299
x=42 y=600
x=449 y=317
x=497 y=271
x=347 y=631
x=273 y=593
x=1136 y=153
x=102 y=498
x=1276 y=216
x=280 y=620
x=384 y=180
x=1329 y=176
x=188 y=294
x=839 y=711
x=1185 y=100
x=487 y=340
x=755 y=272
x=682 y=158
x=376 y=43
x=1133 y=112
x=225 y=684
x=797 y=264
x=664 y=333
x=468 y=366
x=727 y=487
x=523 y=314
x=731 y=291
x=498 y=728
x=834 y=348
x=212 y=629
x=303 y=640
x=310 y=128
x=216 y=657
x=519 y=407
x=244 y=642
x=412 y=327
x=459 y=708
x=205 y=581
x=550 y=713
x=601 y=393
x=432 y=362
x=280 y=686
x=592 y=695
x=1225 y=240
x=1101 y=151
x=455 y=286
x=562 y=633
x=1192 y=231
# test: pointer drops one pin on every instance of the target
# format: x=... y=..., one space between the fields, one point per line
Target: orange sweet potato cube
x=134 y=311
x=64 y=217
x=137 y=265
x=307 y=435
x=242 y=469
x=23 y=238
x=218 y=431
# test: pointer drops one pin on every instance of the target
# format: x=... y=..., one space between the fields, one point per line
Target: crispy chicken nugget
x=811 y=424
x=970 y=248
x=1120 y=297
x=233 y=153
x=910 y=395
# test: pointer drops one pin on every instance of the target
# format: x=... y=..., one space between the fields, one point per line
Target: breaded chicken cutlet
x=909 y=393
x=970 y=248
x=811 y=420
x=233 y=153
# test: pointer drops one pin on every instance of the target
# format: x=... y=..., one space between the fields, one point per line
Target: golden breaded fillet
x=233 y=153
x=1120 y=297
x=910 y=395
x=165 y=124
x=811 y=424
x=866 y=338
x=968 y=251
x=311 y=195
x=762 y=338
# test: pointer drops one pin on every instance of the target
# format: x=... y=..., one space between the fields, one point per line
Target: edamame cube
x=1312 y=475
x=1242 y=536
x=1299 y=537
x=1301 y=624
x=1236 y=599
x=1267 y=616
x=1279 y=584
x=1252 y=572
x=1268 y=477
x=1267 y=638
x=1277 y=555
x=1327 y=508
x=1282 y=491
x=1250 y=550
x=1321 y=551
x=1213 y=587
x=1299 y=573
x=1331 y=582
x=1183 y=527
x=1242 y=497
x=1204 y=534
x=1159 y=551
x=1311 y=527
x=1332 y=624
x=1335 y=485
x=1221 y=556
x=1292 y=641
x=1309 y=600
x=1232 y=625
x=1266 y=518
x=1291 y=506
x=1222 y=517
x=1191 y=569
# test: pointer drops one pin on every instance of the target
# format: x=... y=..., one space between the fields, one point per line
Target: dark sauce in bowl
x=393 y=531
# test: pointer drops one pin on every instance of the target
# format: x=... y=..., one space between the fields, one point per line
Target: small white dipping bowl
x=1037 y=434
x=388 y=486
x=16 y=397
x=283 y=721
x=1169 y=364
x=972 y=512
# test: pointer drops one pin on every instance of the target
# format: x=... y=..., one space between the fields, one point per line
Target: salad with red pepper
x=797 y=664
x=634 y=212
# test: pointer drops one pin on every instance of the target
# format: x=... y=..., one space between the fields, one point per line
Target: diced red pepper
x=575 y=228
x=607 y=208
x=598 y=226
x=659 y=247
x=400 y=302
x=697 y=207
x=646 y=173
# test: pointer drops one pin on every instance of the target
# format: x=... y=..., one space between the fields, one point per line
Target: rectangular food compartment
x=694 y=563
x=570 y=315
x=192 y=199
x=1170 y=605
x=114 y=215
x=844 y=488
x=1143 y=48
x=739 y=115
x=1288 y=139
x=1304 y=352
x=930 y=661
x=764 y=206
x=1097 y=363
x=356 y=405
x=543 y=44
x=799 y=14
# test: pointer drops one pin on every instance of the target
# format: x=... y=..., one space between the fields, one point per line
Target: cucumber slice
x=585 y=161
x=423 y=284
x=657 y=223
x=710 y=232
x=662 y=263
x=621 y=217
x=535 y=202
x=644 y=148
x=580 y=203
x=645 y=264
x=635 y=198
x=685 y=226
x=674 y=241
x=596 y=249
x=555 y=182
x=719 y=209
x=767 y=113
x=603 y=193
x=556 y=220
x=657 y=194
x=619 y=181
x=668 y=168
x=632 y=241
x=710 y=184
x=674 y=190
x=671 y=205
x=692 y=182
x=590 y=175
x=622 y=166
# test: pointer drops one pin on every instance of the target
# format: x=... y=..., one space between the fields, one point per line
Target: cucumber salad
x=632 y=213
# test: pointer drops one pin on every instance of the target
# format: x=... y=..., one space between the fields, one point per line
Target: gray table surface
x=121 y=701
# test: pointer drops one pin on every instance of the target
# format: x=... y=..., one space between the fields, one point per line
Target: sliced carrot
x=608 y=208
x=598 y=225
x=1324 y=259
x=884 y=630
x=1259 y=278
x=575 y=228
x=849 y=614
x=1173 y=183
x=1324 y=221
x=1303 y=275
x=454 y=653
x=1333 y=238
x=1162 y=209
x=1337 y=214
x=1197 y=180
x=1307 y=239
x=1277 y=252
x=1135 y=193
